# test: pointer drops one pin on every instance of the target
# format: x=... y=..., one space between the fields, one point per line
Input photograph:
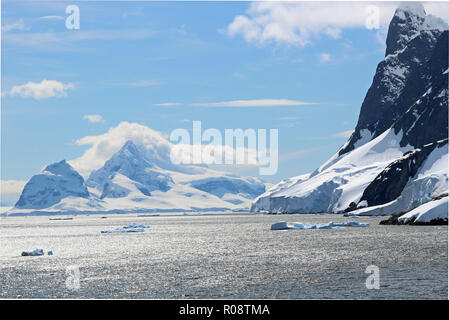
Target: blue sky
x=129 y=57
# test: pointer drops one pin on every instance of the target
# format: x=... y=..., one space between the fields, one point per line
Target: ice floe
x=133 y=227
x=304 y=226
x=36 y=252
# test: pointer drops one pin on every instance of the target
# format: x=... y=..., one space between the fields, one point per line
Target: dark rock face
x=401 y=77
x=426 y=120
x=424 y=124
x=57 y=181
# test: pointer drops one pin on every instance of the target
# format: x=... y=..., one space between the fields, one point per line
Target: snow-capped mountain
x=396 y=159
x=136 y=179
x=56 y=182
x=130 y=163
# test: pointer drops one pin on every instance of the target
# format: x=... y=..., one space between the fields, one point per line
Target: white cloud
x=42 y=90
x=17 y=25
x=10 y=191
x=254 y=103
x=154 y=143
x=344 y=134
x=299 y=24
x=52 y=18
x=168 y=104
x=103 y=146
x=94 y=118
x=325 y=57
x=64 y=40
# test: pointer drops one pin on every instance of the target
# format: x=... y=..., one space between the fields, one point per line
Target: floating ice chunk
x=133 y=227
x=305 y=226
x=36 y=252
x=350 y=224
x=280 y=226
x=50 y=253
x=123 y=230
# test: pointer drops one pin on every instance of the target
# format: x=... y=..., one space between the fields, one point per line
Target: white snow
x=430 y=181
x=436 y=209
x=335 y=186
x=306 y=226
x=55 y=182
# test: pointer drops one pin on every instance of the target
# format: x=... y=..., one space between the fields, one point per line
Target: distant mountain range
x=397 y=158
x=137 y=178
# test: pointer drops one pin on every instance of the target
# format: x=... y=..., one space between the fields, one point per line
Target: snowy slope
x=430 y=181
x=430 y=211
x=396 y=159
x=332 y=188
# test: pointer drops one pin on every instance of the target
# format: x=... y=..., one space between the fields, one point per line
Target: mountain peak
x=129 y=149
x=57 y=181
x=60 y=167
x=409 y=20
x=411 y=8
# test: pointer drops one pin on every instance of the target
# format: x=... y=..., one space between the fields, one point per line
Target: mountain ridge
x=402 y=128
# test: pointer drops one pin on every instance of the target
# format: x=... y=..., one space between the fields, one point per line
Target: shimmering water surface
x=221 y=256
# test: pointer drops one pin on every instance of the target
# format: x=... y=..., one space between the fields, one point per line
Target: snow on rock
x=57 y=181
x=430 y=181
x=129 y=162
x=411 y=39
x=336 y=186
x=306 y=226
x=427 y=212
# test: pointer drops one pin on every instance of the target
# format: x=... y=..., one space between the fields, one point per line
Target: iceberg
x=36 y=252
x=133 y=227
x=306 y=226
